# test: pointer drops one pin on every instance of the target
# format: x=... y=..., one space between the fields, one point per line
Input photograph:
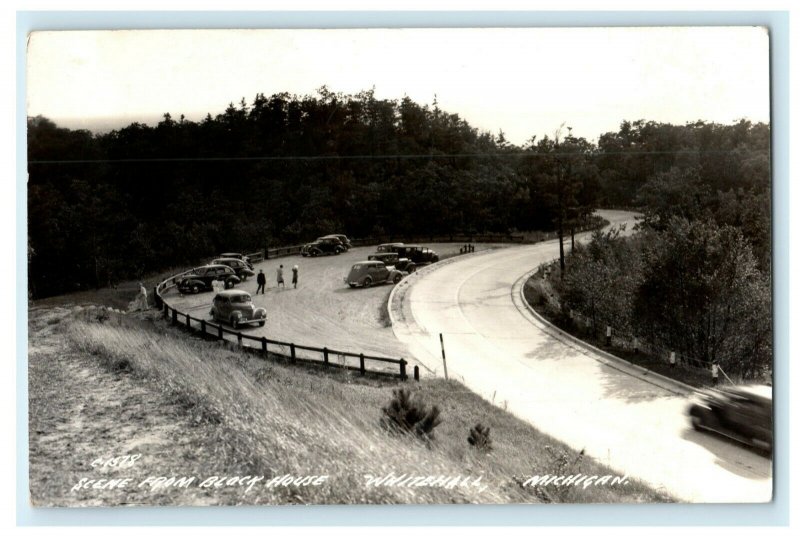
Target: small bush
x=408 y=414
x=479 y=438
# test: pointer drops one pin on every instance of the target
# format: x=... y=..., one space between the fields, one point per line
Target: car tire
x=234 y=323
x=195 y=289
x=697 y=423
x=411 y=268
x=352 y=285
x=367 y=281
x=397 y=278
x=262 y=323
x=228 y=284
x=313 y=253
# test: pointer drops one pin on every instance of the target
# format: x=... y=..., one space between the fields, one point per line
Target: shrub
x=479 y=438
x=408 y=414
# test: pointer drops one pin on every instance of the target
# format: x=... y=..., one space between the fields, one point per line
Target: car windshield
x=240 y=299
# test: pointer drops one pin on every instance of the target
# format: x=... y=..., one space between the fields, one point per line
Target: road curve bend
x=511 y=358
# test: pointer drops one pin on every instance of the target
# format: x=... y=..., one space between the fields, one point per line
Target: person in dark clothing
x=261 y=279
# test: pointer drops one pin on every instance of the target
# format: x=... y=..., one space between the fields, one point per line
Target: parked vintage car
x=323 y=245
x=201 y=278
x=367 y=273
x=342 y=238
x=388 y=247
x=391 y=259
x=236 y=308
x=239 y=266
x=236 y=255
x=743 y=413
x=420 y=255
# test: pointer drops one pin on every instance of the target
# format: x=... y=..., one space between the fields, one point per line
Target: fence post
x=444 y=358
x=403 y=369
x=361 y=365
x=174 y=316
x=416 y=373
x=264 y=346
x=635 y=346
x=166 y=311
x=608 y=336
x=291 y=348
x=239 y=338
x=203 y=326
x=188 y=321
x=219 y=331
x=156 y=297
x=325 y=355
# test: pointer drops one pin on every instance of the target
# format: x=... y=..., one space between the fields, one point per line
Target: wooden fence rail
x=268 y=346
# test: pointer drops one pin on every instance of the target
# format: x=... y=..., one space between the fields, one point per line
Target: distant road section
x=500 y=350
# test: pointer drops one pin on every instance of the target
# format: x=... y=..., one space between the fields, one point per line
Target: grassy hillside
x=239 y=415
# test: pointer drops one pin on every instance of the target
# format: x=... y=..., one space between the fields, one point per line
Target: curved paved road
x=498 y=349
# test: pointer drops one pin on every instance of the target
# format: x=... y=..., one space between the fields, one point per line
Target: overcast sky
x=524 y=81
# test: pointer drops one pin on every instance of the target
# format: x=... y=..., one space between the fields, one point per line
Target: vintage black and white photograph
x=399 y=266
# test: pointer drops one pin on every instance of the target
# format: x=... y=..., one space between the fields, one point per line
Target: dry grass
x=262 y=418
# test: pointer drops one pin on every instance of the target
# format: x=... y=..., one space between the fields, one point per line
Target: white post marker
x=608 y=336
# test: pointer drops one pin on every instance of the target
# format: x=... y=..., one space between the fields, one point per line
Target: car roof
x=225 y=259
x=233 y=292
x=334 y=235
x=215 y=265
x=231 y=254
x=370 y=262
x=391 y=244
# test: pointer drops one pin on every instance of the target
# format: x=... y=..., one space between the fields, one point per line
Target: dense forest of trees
x=697 y=277
x=285 y=169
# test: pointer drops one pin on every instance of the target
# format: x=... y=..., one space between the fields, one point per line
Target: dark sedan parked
x=236 y=255
x=342 y=238
x=391 y=259
x=201 y=278
x=323 y=245
x=240 y=267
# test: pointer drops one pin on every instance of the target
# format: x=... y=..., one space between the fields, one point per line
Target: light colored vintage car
x=367 y=273
x=235 y=307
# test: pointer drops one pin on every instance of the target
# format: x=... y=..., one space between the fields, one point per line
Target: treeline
x=696 y=279
x=285 y=169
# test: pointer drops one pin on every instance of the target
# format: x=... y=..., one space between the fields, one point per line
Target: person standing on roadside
x=280 y=277
x=261 y=279
x=295 y=269
x=142 y=297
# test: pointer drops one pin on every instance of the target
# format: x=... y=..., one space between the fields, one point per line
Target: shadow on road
x=614 y=385
x=731 y=455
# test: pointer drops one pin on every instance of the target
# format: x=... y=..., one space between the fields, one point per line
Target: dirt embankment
x=104 y=385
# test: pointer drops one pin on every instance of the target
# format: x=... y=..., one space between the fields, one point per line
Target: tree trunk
x=561 y=247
